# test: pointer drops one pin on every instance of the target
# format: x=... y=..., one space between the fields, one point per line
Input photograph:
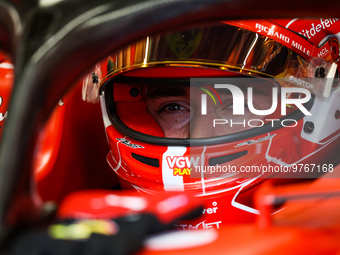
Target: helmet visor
x=257 y=98
x=200 y=108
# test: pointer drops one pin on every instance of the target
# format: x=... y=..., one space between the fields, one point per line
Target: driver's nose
x=202 y=126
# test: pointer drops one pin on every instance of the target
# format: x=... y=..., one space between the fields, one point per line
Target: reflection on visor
x=270 y=89
x=231 y=48
x=203 y=108
x=221 y=45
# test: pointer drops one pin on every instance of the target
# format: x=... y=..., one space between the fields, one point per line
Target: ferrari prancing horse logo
x=184 y=44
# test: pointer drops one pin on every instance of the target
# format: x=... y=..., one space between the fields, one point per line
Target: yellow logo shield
x=184 y=44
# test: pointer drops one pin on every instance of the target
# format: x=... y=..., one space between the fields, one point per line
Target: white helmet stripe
x=106 y=119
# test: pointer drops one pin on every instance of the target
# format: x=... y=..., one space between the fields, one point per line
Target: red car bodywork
x=64 y=163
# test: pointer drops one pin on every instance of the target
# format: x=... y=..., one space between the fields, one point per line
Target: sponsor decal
x=324 y=52
x=181 y=165
x=202 y=225
x=301 y=82
x=279 y=36
x=317 y=27
x=272 y=32
x=184 y=44
x=211 y=210
x=129 y=144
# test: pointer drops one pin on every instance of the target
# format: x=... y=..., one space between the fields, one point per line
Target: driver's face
x=178 y=111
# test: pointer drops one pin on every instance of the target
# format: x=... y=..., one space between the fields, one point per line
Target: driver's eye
x=174 y=108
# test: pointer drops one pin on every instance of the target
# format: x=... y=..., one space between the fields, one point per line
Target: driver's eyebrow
x=166 y=91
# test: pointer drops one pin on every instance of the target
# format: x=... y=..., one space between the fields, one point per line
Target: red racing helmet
x=217 y=109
